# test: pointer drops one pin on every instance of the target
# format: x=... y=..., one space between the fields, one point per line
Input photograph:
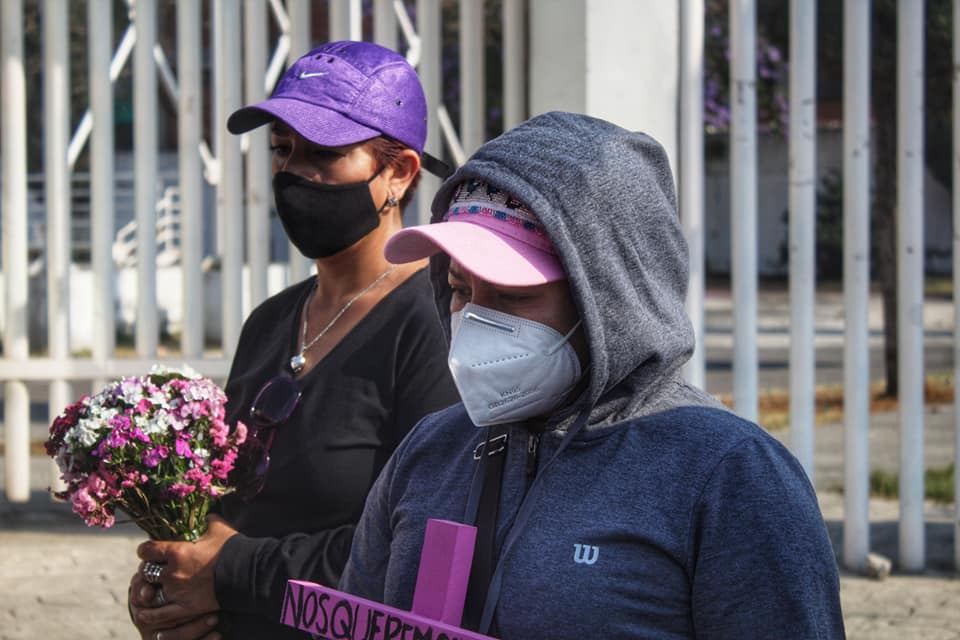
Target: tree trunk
x=885 y=235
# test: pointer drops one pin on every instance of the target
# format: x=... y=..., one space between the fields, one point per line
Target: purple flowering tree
x=772 y=105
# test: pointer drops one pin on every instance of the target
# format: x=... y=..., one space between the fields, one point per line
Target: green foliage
x=884 y=484
x=938 y=483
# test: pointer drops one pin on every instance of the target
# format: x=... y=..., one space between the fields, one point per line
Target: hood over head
x=605 y=197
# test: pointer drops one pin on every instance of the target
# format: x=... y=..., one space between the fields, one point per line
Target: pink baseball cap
x=490 y=233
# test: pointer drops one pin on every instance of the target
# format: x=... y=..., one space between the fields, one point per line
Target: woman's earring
x=392 y=202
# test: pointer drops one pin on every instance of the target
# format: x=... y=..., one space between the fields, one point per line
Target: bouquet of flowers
x=154 y=446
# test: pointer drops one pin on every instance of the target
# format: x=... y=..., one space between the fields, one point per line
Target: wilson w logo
x=585 y=554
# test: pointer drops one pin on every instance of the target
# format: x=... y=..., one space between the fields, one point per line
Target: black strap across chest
x=492 y=456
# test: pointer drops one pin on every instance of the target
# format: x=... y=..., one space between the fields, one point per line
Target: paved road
x=61 y=580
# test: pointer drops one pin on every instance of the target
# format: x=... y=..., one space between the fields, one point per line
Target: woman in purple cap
x=331 y=373
x=612 y=499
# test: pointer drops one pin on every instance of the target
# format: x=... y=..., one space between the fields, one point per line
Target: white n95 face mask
x=508 y=368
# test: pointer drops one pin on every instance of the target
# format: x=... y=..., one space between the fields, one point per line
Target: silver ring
x=151 y=572
x=160 y=597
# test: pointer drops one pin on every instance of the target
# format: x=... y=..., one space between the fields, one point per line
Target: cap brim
x=493 y=257
x=319 y=125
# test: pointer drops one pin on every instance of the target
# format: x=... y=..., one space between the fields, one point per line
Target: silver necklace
x=297 y=362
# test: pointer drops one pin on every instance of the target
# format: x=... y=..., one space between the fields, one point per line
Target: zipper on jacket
x=533 y=441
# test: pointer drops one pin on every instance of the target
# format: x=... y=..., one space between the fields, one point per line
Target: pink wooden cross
x=444 y=571
x=438 y=597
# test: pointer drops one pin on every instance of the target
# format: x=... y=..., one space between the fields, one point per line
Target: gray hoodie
x=610 y=210
x=657 y=513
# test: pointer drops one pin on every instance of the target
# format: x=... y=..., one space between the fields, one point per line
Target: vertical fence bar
x=338 y=19
x=956 y=282
x=230 y=185
x=910 y=278
x=258 y=167
x=856 y=283
x=428 y=27
x=301 y=41
x=472 y=101
x=13 y=191
x=301 y=37
x=803 y=220
x=743 y=204
x=145 y=178
x=385 y=24
x=345 y=20
x=691 y=174
x=99 y=49
x=189 y=135
x=57 y=253
x=514 y=63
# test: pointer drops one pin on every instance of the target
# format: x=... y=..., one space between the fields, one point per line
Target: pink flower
x=180 y=489
x=199 y=478
x=222 y=468
x=132 y=479
x=240 y=433
x=143 y=407
x=92 y=512
x=219 y=431
x=83 y=502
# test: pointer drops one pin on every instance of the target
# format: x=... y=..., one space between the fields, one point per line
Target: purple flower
x=152 y=457
x=183 y=448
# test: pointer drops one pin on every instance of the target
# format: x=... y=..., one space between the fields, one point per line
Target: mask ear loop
x=552 y=350
x=391 y=200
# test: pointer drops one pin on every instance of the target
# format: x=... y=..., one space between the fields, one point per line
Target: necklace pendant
x=297 y=362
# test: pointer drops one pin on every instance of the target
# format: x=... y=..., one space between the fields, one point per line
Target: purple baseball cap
x=342 y=93
x=490 y=233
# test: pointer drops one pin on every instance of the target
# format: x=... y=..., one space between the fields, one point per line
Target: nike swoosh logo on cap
x=304 y=74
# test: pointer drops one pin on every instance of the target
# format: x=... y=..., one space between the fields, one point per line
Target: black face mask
x=324 y=219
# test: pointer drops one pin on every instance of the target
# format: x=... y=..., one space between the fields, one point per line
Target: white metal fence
x=225 y=159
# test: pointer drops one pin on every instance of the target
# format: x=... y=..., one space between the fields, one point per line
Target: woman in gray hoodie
x=626 y=503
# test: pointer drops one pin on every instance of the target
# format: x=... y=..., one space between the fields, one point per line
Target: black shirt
x=357 y=404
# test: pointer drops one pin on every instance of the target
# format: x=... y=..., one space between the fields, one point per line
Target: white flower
x=152 y=427
x=189 y=372
x=132 y=390
x=184 y=370
x=160 y=399
x=85 y=432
